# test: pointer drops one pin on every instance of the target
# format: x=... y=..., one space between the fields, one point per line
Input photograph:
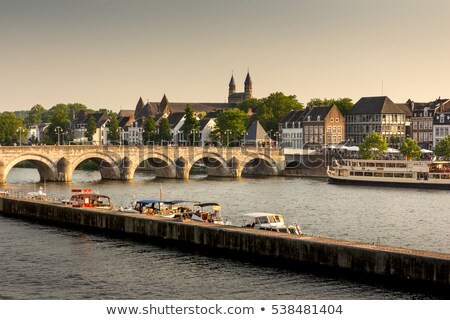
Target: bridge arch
x=46 y=168
x=108 y=166
x=161 y=164
x=215 y=164
x=258 y=164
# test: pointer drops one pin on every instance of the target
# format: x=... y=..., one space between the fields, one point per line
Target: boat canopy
x=260 y=214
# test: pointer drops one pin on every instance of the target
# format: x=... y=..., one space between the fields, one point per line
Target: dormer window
x=442 y=118
x=309 y=118
x=318 y=118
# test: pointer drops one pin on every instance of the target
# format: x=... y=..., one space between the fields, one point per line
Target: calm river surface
x=48 y=262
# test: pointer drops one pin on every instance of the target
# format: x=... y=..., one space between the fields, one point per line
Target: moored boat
x=85 y=198
x=208 y=212
x=398 y=173
x=271 y=222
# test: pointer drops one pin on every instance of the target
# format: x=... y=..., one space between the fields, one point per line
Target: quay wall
x=393 y=263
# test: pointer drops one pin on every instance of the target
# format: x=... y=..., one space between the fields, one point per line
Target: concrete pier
x=415 y=266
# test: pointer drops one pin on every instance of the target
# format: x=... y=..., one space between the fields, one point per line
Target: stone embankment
x=412 y=266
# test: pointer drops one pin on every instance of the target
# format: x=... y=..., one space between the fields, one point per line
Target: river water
x=48 y=262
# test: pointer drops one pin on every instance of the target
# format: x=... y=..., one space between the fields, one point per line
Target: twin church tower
x=238 y=97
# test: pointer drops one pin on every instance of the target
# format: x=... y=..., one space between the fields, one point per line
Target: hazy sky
x=108 y=53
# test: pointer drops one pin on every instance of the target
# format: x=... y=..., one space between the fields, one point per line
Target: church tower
x=232 y=86
x=248 y=87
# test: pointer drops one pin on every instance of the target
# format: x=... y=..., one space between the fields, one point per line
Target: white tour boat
x=399 y=173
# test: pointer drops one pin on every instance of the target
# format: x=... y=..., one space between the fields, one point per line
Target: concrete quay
x=414 y=267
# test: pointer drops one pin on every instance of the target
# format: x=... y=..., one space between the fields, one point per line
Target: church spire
x=232 y=86
x=248 y=91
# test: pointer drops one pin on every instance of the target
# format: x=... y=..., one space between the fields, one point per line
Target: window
x=318 y=118
x=414 y=124
x=340 y=130
x=337 y=120
x=332 y=120
x=329 y=129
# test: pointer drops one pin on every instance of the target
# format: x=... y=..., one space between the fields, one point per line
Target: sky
x=108 y=53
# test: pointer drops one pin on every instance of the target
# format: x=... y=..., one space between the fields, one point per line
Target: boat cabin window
x=390 y=165
x=380 y=165
x=388 y=174
x=401 y=165
x=278 y=219
x=399 y=175
x=262 y=220
x=435 y=176
x=408 y=175
x=358 y=173
x=378 y=174
x=371 y=164
x=271 y=219
x=368 y=174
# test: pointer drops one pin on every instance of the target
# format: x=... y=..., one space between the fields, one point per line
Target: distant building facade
x=441 y=124
x=423 y=120
x=377 y=114
x=317 y=125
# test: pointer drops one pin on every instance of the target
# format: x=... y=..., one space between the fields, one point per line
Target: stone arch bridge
x=57 y=163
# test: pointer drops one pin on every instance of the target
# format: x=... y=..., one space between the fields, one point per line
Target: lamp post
x=193 y=132
x=20 y=130
x=120 y=129
x=140 y=137
x=270 y=138
x=58 y=130
x=228 y=132
x=277 y=138
x=245 y=133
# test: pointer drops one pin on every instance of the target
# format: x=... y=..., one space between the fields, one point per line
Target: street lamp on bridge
x=58 y=130
x=228 y=132
x=193 y=132
x=20 y=130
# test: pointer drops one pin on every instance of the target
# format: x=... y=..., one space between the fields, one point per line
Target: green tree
x=164 y=130
x=410 y=149
x=59 y=118
x=150 y=129
x=230 y=126
x=35 y=115
x=443 y=148
x=113 y=129
x=343 y=104
x=190 y=126
x=274 y=107
x=91 y=128
x=11 y=129
x=75 y=110
x=373 y=146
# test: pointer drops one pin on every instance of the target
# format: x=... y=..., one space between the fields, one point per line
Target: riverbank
x=415 y=267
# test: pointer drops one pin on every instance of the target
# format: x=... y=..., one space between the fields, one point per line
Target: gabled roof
x=256 y=132
x=406 y=108
x=154 y=108
x=374 y=105
x=203 y=122
x=175 y=118
x=100 y=119
x=125 y=113
x=125 y=121
x=315 y=111
x=292 y=116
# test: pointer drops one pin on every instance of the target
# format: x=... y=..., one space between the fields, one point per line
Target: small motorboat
x=85 y=198
x=40 y=194
x=271 y=222
x=208 y=212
